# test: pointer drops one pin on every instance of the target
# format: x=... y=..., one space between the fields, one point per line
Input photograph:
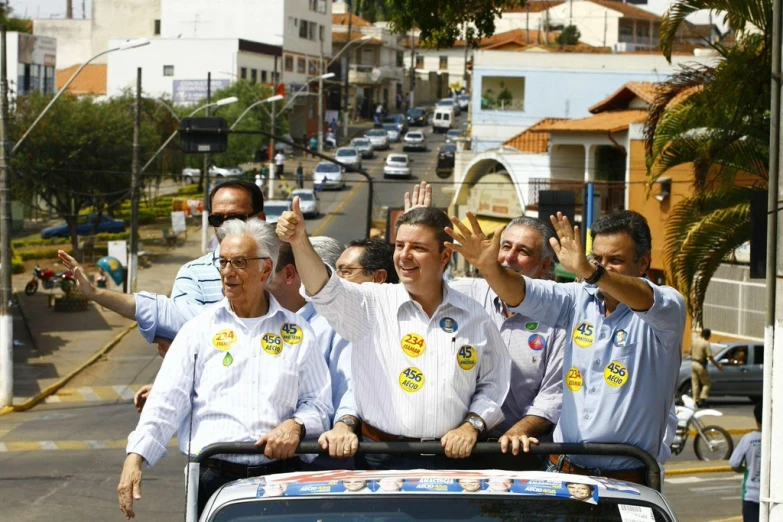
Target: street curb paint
x=733 y=431
x=29 y=403
x=692 y=471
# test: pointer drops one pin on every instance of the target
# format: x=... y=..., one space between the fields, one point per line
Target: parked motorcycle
x=50 y=279
x=711 y=442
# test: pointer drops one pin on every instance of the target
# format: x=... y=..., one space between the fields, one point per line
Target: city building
x=31 y=63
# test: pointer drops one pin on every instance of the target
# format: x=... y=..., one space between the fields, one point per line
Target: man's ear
x=445 y=257
x=380 y=276
x=644 y=263
x=291 y=274
x=261 y=215
x=267 y=270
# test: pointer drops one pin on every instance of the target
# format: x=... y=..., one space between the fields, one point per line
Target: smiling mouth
x=408 y=270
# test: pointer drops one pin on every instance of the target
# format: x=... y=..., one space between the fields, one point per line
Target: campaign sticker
x=272 y=344
x=583 y=335
x=466 y=357
x=616 y=374
x=574 y=379
x=411 y=380
x=413 y=345
x=531 y=327
x=447 y=324
x=291 y=333
x=224 y=339
x=619 y=338
x=228 y=360
x=536 y=342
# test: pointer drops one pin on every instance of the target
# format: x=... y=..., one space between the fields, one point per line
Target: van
x=443 y=119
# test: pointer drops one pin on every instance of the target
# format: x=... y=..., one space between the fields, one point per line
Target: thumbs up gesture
x=291 y=225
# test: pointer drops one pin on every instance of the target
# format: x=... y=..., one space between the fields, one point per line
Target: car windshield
x=305 y=196
x=377 y=132
x=446 y=102
x=390 y=126
x=398 y=159
x=390 y=119
x=454 y=133
x=414 y=135
x=448 y=148
x=341 y=153
x=275 y=209
x=415 y=113
x=422 y=508
x=360 y=143
x=327 y=167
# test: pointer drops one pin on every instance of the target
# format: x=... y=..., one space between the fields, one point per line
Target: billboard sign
x=188 y=91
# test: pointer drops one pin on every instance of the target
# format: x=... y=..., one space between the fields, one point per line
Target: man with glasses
x=367 y=261
x=245 y=370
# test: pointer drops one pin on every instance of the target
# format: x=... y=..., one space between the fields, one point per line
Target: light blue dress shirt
x=619 y=371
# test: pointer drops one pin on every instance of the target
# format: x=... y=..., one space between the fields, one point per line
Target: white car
x=274 y=208
x=328 y=175
x=397 y=166
x=449 y=103
x=378 y=138
x=414 y=140
x=349 y=156
x=191 y=175
x=308 y=202
x=393 y=131
x=463 y=100
x=364 y=147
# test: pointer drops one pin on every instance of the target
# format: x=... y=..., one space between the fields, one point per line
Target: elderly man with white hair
x=245 y=369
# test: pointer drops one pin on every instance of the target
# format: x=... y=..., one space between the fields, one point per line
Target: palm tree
x=715 y=118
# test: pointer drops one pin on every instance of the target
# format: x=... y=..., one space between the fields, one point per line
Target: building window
x=289 y=63
x=263 y=76
x=253 y=76
x=400 y=59
x=156 y=30
x=321 y=32
x=313 y=31
x=503 y=93
x=300 y=65
x=313 y=68
x=419 y=61
x=443 y=64
x=243 y=73
x=275 y=77
x=303 y=24
x=168 y=70
x=314 y=5
x=322 y=6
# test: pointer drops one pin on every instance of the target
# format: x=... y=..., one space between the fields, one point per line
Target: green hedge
x=35 y=242
x=17 y=263
x=51 y=253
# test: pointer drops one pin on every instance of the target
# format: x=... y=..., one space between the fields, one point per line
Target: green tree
x=715 y=119
x=569 y=36
x=12 y=23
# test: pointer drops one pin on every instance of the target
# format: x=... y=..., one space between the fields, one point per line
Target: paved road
x=705 y=497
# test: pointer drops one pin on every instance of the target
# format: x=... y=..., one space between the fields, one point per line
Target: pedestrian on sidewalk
x=701 y=352
x=299 y=176
x=279 y=162
x=746 y=459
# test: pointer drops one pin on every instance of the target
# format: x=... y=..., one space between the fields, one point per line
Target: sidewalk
x=52 y=346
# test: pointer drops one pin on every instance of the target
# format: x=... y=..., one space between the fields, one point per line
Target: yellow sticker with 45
x=574 y=379
x=583 y=335
x=616 y=374
x=224 y=340
x=466 y=357
x=291 y=333
x=413 y=344
x=272 y=344
x=411 y=380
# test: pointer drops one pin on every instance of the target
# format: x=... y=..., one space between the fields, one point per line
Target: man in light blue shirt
x=625 y=336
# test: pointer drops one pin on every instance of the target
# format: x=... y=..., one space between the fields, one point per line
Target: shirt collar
x=307 y=311
x=450 y=297
x=274 y=307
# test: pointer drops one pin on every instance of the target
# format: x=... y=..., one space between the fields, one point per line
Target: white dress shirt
x=247 y=382
x=426 y=389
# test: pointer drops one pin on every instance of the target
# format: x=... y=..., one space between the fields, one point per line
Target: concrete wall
x=455 y=62
x=511 y=21
x=592 y=20
x=74 y=39
x=121 y=20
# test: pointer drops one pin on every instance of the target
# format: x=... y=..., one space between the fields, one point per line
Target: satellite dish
x=375 y=75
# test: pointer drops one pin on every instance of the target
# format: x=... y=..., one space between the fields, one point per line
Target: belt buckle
x=428 y=439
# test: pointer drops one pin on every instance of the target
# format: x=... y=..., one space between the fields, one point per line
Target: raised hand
x=569 y=250
x=422 y=197
x=474 y=246
x=86 y=288
x=291 y=225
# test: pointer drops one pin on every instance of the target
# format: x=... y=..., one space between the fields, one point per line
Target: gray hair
x=262 y=232
x=539 y=226
x=328 y=249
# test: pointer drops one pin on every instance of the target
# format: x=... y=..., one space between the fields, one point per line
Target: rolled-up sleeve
x=314 y=405
x=348 y=307
x=549 y=302
x=342 y=382
x=494 y=378
x=158 y=316
x=666 y=316
x=549 y=400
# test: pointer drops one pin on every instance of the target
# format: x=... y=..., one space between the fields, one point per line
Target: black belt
x=225 y=467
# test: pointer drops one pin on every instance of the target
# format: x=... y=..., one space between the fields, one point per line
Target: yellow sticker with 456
x=583 y=335
x=616 y=374
x=224 y=339
x=413 y=344
x=466 y=357
x=291 y=333
x=411 y=380
x=272 y=344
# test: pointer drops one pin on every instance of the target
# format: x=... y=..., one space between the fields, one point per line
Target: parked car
x=191 y=175
x=328 y=175
x=274 y=208
x=378 y=138
x=449 y=103
x=742 y=371
x=397 y=119
x=308 y=202
x=364 y=147
x=84 y=226
x=418 y=117
x=397 y=166
x=453 y=134
x=414 y=140
x=392 y=131
x=445 y=164
x=349 y=156
x=463 y=100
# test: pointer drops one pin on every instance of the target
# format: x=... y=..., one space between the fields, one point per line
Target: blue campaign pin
x=619 y=338
x=447 y=324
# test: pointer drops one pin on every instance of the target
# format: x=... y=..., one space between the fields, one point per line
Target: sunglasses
x=216 y=220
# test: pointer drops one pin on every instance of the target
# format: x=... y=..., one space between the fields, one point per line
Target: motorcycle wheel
x=30 y=289
x=722 y=444
x=67 y=285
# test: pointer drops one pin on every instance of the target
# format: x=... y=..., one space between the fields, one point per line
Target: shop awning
x=488 y=224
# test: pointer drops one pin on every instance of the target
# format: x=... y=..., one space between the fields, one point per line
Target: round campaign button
x=619 y=338
x=411 y=380
x=224 y=339
x=272 y=344
x=616 y=374
x=536 y=342
x=413 y=344
x=466 y=357
x=574 y=379
x=291 y=333
x=583 y=335
x=449 y=325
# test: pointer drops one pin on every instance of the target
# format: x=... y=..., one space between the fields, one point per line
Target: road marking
x=714 y=489
x=337 y=209
x=67 y=445
x=692 y=480
x=113 y=393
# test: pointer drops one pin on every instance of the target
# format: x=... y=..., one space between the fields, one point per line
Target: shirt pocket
x=464 y=362
x=280 y=381
x=619 y=373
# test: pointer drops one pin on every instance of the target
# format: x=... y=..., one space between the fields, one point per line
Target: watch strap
x=599 y=271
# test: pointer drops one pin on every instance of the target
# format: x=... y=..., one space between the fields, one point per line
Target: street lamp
x=6 y=321
x=274 y=98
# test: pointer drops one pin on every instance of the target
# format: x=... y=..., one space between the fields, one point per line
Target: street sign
x=188 y=91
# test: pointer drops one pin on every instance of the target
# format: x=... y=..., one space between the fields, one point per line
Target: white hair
x=328 y=249
x=262 y=232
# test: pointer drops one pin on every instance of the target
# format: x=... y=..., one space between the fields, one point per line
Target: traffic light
x=205 y=135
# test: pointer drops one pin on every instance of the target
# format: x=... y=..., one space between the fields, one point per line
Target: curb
x=732 y=431
x=29 y=403
x=692 y=471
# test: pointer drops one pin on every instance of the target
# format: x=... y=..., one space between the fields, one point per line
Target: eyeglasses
x=216 y=220
x=347 y=270
x=240 y=263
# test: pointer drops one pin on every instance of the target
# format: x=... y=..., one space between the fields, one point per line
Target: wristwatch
x=348 y=421
x=599 y=271
x=477 y=423
x=301 y=424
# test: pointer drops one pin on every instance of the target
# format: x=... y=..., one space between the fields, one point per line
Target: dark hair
x=543 y=229
x=377 y=254
x=757 y=412
x=430 y=217
x=706 y=333
x=285 y=256
x=629 y=222
x=256 y=196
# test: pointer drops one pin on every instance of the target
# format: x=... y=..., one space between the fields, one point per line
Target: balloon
x=112 y=267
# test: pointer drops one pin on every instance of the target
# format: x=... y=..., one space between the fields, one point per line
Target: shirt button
x=598 y=361
x=587 y=416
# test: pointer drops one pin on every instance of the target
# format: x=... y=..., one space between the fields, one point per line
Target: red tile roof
x=535 y=6
x=342 y=37
x=620 y=99
x=530 y=140
x=627 y=10
x=92 y=79
x=515 y=35
x=614 y=121
x=356 y=21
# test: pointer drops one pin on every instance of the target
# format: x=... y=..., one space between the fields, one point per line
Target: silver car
x=378 y=138
x=397 y=166
x=364 y=147
x=328 y=175
x=349 y=156
x=414 y=140
x=742 y=373
x=393 y=131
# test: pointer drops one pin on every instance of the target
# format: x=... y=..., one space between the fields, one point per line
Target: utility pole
x=412 y=79
x=207 y=158
x=570 y=12
x=6 y=320
x=68 y=9
x=271 y=187
x=133 y=259
x=346 y=70
x=321 y=72
x=546 y=27
x=605 y=24
x=465 y=69
x=527 y=23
